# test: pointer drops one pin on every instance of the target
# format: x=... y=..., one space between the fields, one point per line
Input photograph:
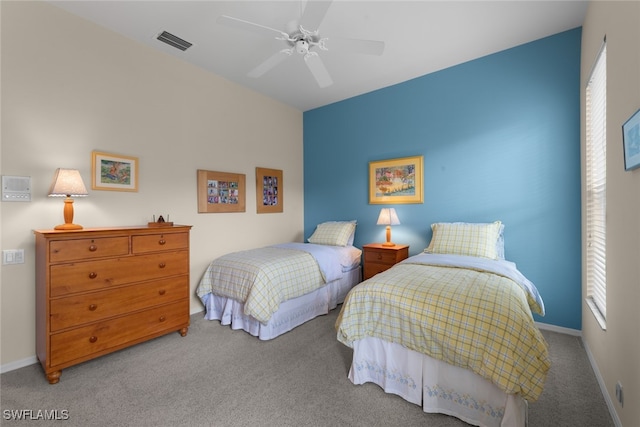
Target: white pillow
x=334 y=233
x=471 y=239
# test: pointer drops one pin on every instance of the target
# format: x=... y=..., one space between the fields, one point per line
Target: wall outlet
x=619 y=395
x=13 y=256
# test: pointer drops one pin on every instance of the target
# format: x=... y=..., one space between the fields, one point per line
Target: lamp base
x=68 y=226
x=388 y=244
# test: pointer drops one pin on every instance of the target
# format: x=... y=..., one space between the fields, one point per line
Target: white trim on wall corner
x=592 y=362
x=559 y=329
x=603 y=387
x=12 y=366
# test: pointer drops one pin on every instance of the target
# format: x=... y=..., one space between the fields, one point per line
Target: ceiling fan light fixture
x=302 y=47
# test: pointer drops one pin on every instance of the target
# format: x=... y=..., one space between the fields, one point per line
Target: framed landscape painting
x=113 y=172
x=396 y=181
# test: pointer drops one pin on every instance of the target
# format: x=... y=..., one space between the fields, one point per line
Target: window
x=596 y=187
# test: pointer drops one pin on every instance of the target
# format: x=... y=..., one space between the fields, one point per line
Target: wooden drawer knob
x=93 y=275
x=379 y=256
x=162 y=292
x=162 y=265
x=162 y=241
x=92 y=307
x=93 y=248
x=162 y=318
x=93 y=339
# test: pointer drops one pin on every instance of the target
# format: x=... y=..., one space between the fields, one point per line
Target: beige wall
x=70 y=87
x=616 y=351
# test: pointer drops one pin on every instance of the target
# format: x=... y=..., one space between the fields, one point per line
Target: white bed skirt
x=436 y=385
x=290 y=314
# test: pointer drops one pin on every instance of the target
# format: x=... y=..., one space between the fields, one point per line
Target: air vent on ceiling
x=174 y=41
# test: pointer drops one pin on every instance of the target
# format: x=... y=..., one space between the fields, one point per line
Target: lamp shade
x=388 y=216
x=67 y=183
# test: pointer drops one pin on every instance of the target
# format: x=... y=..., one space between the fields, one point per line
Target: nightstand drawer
x=68 y=250
x=371 y=270
x=380 y=257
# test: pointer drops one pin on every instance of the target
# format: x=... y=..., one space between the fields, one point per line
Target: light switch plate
x=13 y=256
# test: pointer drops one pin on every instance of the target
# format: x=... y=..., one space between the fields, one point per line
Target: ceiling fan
x=305 y=40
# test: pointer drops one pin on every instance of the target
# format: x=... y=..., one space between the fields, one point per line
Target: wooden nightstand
x=378 y=258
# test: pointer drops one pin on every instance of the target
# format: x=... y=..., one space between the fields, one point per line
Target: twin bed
x=450 y=329
x=269 y=291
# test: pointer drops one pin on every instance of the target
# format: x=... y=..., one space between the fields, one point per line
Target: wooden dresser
x=378 y=258
x=99 y=290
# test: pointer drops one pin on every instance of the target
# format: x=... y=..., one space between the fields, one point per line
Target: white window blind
x=596 y=186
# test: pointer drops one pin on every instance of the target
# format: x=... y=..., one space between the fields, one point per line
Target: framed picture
x=221 y=192
x=396 y=181
x=631 y=141
x=269 y=194
x=113 y=172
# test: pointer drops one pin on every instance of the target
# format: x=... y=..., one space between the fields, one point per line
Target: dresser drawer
x=80 y=309
x=82 y=342
x=159 y=242
x=380 y=257
x=96 y=275
x=68 y=250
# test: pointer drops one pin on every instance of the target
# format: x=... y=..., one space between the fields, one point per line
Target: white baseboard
x=592 y=362
x=12 y=366
x=196 y=311
x=603 y=387
x=560 y=329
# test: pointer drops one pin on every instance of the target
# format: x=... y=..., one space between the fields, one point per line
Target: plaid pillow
x=465 y=239
x=335 y=233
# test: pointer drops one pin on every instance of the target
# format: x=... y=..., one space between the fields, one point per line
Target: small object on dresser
x=161 y=222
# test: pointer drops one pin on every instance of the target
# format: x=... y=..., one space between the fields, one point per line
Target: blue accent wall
x=500 y=137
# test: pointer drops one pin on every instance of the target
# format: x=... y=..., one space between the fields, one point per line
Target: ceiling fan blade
x=313 y=14
x=317 y=68
x=367 y=47
x=263 y=30
x=270 y=63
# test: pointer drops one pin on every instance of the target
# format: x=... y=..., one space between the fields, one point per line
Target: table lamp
x=388 y=217
x=67 y=183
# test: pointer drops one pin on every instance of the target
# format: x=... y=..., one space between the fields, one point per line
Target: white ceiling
x=420 y=37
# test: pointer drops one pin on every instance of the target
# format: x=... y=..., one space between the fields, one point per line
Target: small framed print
x=631 y=142
x=269 y=194
x=221 y=192
x=113 y=172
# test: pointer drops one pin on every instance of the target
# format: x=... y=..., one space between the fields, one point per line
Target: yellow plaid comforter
x=262 y=278
x=473 y=319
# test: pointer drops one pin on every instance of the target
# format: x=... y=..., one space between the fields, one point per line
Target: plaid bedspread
x=466 y=317
x=261 y=278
